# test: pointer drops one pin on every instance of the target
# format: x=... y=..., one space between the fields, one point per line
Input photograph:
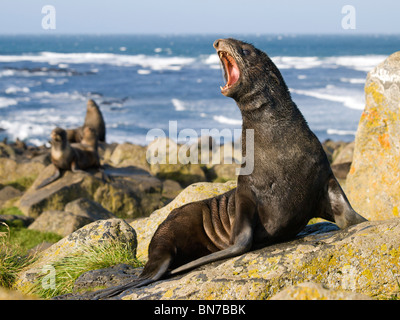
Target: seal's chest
x=56 y=154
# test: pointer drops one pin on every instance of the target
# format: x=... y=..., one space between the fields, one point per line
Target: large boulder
x=362 y=259
x=316 y=291
x=76 y=214
x=131 y=192
x=19 y=174
x=91 y=235
x=60 y=222
x=373 y=183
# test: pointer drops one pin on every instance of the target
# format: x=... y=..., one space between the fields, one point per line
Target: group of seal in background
x=76 y=149
x=291 y=183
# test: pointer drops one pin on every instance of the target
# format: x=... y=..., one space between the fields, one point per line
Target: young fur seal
x=291 y=183
x=75 y=157
x=93 y=119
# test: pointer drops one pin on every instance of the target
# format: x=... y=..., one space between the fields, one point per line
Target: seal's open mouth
x=231 y=69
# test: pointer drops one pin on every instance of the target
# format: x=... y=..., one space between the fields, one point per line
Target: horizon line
x=52 y=33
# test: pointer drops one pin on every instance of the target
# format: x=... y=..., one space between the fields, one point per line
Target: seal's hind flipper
x=153 y=271
x=340 y=209
x=49 y=180
x=114 y=291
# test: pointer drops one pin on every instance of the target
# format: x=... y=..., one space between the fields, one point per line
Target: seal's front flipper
x=340 y=209
x=51 y=179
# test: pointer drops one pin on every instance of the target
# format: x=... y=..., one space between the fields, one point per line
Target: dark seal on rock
x=94 y=119
x=75 y=157
x=291 y=183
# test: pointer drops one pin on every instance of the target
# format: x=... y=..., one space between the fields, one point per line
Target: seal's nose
x=216 y=43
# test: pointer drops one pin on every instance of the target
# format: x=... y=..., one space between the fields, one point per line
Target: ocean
x=142 y=82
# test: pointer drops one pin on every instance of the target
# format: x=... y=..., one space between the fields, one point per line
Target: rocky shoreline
x=360 y=262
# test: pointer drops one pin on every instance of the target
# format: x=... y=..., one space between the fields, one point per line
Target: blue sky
x=199 y=16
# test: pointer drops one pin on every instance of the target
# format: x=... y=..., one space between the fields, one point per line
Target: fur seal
x=75 y=157
x=93 y=119
x=291 y=183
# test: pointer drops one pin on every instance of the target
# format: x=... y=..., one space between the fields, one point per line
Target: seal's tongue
x=231 y=69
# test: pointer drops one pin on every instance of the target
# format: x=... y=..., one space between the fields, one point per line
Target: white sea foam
x=225 y=120
x=60 y=95
x=353 y=80
x=23 y=130
x=143 y=71
x=14 y=89
x=145 y=61
x=341 y=132
x=178 y=105
x=6 y=102
x=284 y=62
x=7 y=73
x=353 y=101
x=358 y=62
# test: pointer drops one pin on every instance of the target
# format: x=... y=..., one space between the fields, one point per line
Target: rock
x=373 y=184
x=363 y=259
x=225 y=172
x=333 y=148
x=60 y=222
x=16 y=219
x=92 y=234
x=39 y=248
x=146 y=227
x=9 y=192
x=21 y=175
x=108 y=277
x=128 y=154
x=6 y=294
x=316 y=291
x=341 y=170
x=88 y=208
x=131 y=193
x=344 y=154
x=171 y=189
x=55 y=196
x=163 y=157
x=130 y=196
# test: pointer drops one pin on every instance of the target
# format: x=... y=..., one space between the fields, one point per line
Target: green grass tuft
x=68 y=269
x=12 y=258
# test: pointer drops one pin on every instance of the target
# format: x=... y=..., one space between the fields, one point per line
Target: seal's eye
x=246 y=52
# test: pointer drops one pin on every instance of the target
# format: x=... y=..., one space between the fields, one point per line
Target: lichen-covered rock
x=363 y=258
x=6 y=294
x=21 y=174
x=90 y=235
x=146 y=227
x=373 y=184
x=128 y=154
x=88 y=208
x=131 y=193
x=60 y=222
x=56 y=195
x=316 y=291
